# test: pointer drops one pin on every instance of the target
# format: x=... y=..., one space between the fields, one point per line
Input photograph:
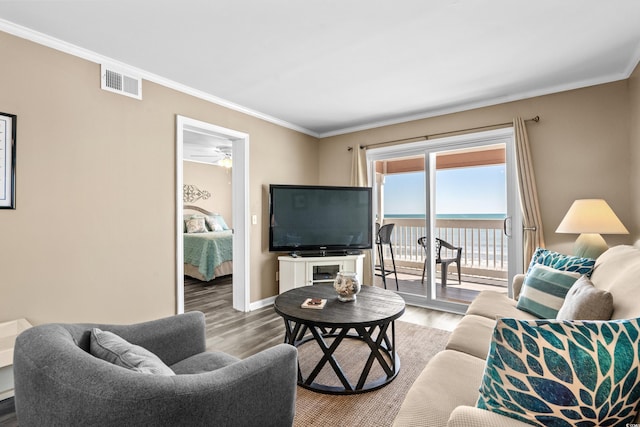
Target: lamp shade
x=591 y=216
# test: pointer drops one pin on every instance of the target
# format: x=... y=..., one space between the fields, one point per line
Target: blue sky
x=474 y=190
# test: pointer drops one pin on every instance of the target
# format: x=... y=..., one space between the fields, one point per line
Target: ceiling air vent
x=117 y=81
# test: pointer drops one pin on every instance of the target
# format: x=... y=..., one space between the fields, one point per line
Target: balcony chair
x=444 y=262
x=58 y=380
x=383 y=237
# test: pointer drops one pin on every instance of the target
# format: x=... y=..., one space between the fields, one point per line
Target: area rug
x=415 y=345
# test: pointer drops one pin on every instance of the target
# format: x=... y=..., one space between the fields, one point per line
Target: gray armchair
x=57 y=381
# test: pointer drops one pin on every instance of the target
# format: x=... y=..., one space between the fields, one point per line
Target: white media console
x=301 y=271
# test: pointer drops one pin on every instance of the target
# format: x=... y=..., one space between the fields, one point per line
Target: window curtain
x=359 y=179
x=533 y=236
x=358 y=167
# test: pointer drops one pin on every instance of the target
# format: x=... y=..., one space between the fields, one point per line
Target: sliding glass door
x=453 y=205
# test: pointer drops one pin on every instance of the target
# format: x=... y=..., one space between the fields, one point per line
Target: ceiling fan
x=220 y=155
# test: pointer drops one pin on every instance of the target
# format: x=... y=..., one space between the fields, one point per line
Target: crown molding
x=71 y=49
x=60 y=45
x=634 y=61
x=484 y=103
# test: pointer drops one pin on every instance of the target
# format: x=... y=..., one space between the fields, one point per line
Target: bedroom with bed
x=208 y=232
x=208 y=244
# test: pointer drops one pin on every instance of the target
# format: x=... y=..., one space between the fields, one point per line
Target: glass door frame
x=428 y=149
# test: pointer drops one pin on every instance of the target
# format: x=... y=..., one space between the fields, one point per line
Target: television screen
x=319 y=218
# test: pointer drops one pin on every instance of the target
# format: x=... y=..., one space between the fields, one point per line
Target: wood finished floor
x=243 y=334
x=464 y=293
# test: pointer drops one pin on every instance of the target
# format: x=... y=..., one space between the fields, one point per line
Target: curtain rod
x=426 y=137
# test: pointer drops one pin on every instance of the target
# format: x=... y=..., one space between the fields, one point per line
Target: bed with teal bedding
x=208 y=255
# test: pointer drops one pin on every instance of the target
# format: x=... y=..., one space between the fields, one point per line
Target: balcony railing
x=484 y=246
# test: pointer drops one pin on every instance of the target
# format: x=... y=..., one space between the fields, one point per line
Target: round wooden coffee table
x=370 y=319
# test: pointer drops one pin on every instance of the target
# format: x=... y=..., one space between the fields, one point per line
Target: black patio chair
x=444 y=262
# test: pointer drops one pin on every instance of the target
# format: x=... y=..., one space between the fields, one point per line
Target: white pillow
x=216 y=222
x=196 y=224
x=213 y=224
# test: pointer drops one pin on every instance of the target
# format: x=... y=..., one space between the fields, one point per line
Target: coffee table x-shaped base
x=381 y=346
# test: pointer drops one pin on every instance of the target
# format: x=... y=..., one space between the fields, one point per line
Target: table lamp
x=590 y=218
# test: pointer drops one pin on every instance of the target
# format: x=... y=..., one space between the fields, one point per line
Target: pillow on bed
x=216 y=219
x=212 y=224
x=196 y=224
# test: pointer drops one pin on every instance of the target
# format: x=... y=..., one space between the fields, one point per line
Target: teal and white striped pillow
x=544 y=290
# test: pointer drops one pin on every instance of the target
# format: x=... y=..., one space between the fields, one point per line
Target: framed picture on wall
x=7 y=161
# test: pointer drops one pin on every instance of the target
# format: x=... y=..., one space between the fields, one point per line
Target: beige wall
x=580 y=149
x=214 y=179
x=93 y=235
x=634 y=142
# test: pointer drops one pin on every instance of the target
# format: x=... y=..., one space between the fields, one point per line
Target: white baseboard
x=262 y=303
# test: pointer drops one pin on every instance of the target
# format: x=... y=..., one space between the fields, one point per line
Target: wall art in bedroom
x=191 y=193
x=7 y=161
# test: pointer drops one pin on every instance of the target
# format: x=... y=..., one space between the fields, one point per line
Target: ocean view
x=484 y=244
x=457 y=196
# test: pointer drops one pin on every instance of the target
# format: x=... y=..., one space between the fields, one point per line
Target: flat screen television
x=306 y=219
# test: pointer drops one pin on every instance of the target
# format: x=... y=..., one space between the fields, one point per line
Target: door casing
x=240 y=209
x=428 y=148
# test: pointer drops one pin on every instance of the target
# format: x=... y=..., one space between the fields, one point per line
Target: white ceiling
x=203 y=146
x=330 y=66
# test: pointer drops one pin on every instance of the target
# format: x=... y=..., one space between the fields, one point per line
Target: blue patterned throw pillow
x=562 y=262
x=563 y=373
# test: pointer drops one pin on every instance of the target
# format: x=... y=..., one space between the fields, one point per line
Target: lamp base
x=589 y=245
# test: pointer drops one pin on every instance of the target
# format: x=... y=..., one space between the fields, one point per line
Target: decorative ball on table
x=347 y=285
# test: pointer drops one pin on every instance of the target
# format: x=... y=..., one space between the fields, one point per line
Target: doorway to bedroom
x=211 y=204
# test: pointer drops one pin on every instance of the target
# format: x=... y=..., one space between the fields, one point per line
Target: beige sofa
x=446 y=392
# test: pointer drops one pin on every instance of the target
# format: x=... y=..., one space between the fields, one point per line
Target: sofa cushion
x=516 y=285
x=472 y=335
x=470 y=416
x=585 y=302
x=562 y=262
x=544 y=289
x=553 y=372
x=450 y=379
x=203 y=362
x=617 y=271
x=493 y=304
x=114 y=349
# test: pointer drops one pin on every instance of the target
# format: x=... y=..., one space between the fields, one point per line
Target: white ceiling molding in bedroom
x=205 y=147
